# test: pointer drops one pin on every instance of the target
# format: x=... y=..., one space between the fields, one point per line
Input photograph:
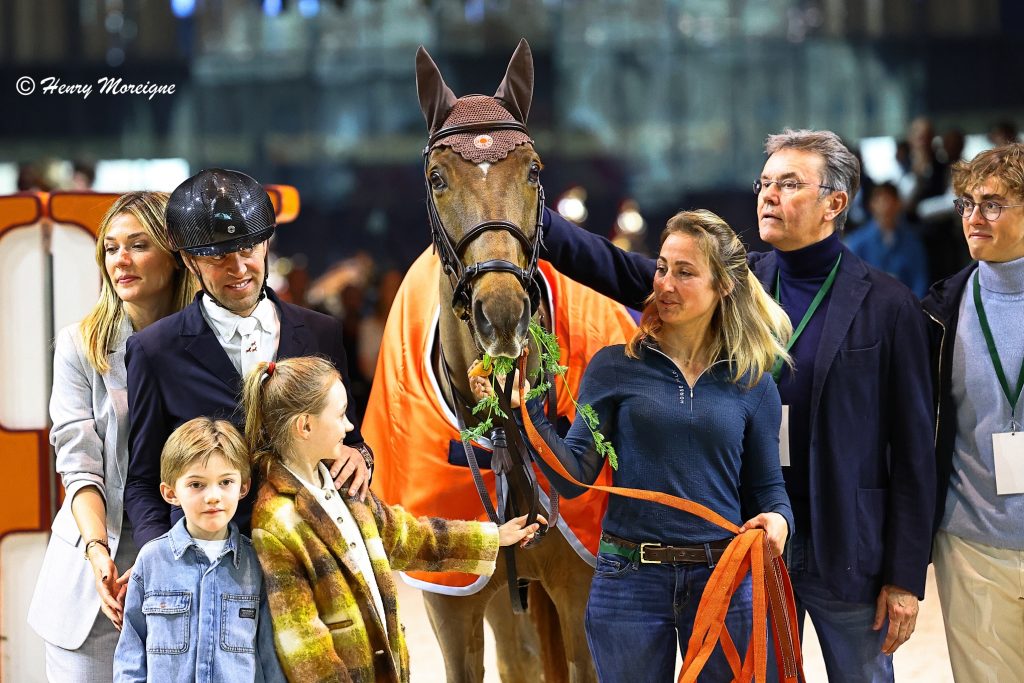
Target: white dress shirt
x=247 y=341
x=334 y=505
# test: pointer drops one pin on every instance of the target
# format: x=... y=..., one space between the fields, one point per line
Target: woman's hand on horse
x=774 y=525
x=350 y=467
x=481 y=387
x=515 y=531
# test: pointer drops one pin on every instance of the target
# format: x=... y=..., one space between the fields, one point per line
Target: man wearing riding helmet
x=191 y=364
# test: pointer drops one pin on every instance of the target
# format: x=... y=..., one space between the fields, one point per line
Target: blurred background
x=641 y=108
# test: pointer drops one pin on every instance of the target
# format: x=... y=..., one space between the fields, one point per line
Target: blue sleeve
x=268 y=669
x=761 y=474
x=577 y=452
x=595 y=262
x=149 y=513
x=912 y=467
x=130 y=653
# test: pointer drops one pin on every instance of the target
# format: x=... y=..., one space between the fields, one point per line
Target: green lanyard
x=815 y=302
x=996 y=363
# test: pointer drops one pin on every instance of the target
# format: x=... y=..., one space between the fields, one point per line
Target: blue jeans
x=638 y=612
x=851 y=649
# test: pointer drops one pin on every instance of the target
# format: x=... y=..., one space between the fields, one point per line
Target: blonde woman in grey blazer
x=91 y=551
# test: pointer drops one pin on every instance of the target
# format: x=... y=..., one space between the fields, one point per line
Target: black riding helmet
x=217 y=212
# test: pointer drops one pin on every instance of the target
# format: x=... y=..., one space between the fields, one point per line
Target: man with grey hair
x=857 y=421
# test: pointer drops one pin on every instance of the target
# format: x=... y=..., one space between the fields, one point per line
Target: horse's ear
x=436 y=98
x=516 y=89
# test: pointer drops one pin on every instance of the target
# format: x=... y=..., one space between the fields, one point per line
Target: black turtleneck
x=801 y=274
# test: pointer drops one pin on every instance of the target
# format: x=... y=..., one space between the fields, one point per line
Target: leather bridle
x=461 y=275
x=511 y=460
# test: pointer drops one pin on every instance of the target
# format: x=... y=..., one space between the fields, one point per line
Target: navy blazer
x=177 y=370
x=872 y=468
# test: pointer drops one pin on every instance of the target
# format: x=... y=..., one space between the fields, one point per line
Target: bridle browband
x=462 y=276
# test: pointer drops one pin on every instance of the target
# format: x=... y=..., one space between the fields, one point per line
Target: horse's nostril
x=483 y=325
x=524 y=319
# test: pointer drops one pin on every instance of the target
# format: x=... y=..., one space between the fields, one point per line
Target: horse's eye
x=437 y=181
x=534 y=172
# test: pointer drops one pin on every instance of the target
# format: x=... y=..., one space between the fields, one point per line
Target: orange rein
x=748 y=552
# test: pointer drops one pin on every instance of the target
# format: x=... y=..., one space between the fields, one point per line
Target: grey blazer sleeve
x=75 y=439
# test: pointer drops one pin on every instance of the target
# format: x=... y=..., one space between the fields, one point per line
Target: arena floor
x=923 y=659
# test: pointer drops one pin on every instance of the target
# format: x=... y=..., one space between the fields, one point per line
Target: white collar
x=325 y=485
x=225 y=323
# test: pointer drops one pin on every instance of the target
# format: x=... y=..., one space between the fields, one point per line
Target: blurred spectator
x=83 y=175
x=352 y=299
x=952 y=149
x=859 y=214
x=940 y=226
x=888 y=243
x=927 y=177
x=31 y=178
x=1003 y=133
x=371 y=331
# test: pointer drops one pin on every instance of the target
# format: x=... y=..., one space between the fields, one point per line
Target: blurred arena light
x=124 y=175
x=630 y=222
x=573 y=204
x=8 y=178
x=272 y=7
x=878 y=155
x=183 y=9
x=878 y=159
x=309 y=8
x=973 y=144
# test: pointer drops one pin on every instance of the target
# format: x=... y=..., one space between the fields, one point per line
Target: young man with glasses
x=191 y=364
x=978 y=361
x=857 y=418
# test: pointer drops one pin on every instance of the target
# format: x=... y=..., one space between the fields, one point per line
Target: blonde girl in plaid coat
x=328 y=558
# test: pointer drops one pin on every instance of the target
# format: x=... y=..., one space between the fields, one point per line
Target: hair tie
x=268 y=372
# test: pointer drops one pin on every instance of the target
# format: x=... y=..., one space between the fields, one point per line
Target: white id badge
x=784 y=437
x=1008 y=448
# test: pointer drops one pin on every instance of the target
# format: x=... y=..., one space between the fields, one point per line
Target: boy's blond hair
x=196 y=441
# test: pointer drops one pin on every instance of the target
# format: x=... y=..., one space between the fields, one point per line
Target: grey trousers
x=94 y=661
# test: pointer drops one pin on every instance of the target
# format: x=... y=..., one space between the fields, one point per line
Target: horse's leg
x=518 y=648
x=544 y=616
x=458 y=624
x=566 y=579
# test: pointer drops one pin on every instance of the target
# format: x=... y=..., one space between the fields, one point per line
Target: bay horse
x=477 y=294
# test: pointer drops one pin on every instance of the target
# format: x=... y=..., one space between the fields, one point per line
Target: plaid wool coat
x=326 y=627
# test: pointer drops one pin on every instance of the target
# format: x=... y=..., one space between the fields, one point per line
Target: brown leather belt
x=655 y=553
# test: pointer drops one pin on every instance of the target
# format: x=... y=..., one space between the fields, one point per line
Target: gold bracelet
x=95 y=541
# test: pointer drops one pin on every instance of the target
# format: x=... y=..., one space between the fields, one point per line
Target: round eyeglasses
x=787 y=186
x=989 y=209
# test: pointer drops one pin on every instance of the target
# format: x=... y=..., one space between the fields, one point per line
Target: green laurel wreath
x=550 y=363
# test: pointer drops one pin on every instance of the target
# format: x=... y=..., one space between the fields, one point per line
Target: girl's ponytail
x=273 y=395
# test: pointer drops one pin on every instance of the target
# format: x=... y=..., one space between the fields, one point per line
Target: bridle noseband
x=462 y=276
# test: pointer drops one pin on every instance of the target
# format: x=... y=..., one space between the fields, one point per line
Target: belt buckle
x=643 y=546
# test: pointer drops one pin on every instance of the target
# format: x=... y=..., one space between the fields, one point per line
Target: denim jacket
x=186 y=619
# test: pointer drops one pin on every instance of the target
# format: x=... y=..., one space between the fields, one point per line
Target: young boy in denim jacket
x=196 y=609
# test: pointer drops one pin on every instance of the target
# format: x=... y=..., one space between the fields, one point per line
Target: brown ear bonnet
x=511 y=102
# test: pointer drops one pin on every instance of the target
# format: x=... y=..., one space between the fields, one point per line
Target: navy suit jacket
x=872 y=467
x=177 y=370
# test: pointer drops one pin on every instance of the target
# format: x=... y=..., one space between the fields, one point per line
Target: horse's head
x=485 y=200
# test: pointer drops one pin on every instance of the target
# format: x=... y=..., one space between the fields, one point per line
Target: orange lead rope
x=748 y=552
